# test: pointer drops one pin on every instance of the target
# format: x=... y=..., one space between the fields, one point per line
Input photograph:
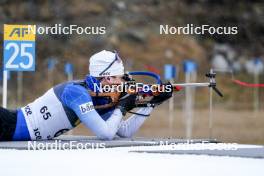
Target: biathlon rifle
x=143 y=96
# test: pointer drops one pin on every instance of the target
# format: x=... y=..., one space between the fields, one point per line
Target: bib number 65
x=45 y=114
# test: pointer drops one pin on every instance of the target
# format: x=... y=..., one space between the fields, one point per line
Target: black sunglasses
x=117 y=58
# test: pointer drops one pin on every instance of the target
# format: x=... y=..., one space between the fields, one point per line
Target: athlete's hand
x=163 y=96
x=127 y=103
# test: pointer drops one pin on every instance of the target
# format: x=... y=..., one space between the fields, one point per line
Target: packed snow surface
x=121 y=161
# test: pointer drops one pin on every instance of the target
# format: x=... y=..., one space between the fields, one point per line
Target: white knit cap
x=103 y=59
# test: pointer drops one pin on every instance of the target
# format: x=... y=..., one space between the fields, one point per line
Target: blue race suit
x=64 y=106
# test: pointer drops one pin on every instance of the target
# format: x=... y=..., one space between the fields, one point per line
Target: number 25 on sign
x=19 y=48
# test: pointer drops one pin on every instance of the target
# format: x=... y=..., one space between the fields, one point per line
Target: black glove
x=127 y=103
x=163 y=96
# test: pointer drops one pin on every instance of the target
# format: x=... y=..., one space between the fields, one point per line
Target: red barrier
x=247 y=84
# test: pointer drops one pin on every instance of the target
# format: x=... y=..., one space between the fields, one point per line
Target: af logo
x=20 y=32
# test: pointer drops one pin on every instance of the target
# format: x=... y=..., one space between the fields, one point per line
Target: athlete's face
x=109 y=80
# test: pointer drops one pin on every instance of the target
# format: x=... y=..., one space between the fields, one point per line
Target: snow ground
x=119 y=161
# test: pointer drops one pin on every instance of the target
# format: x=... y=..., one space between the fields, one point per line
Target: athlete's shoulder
x=75 y=93
x=76 y=89
x=73 y=87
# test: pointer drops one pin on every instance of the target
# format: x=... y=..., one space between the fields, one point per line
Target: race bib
x=45 y=117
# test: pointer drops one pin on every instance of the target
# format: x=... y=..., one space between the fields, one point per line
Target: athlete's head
x=107 y=66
